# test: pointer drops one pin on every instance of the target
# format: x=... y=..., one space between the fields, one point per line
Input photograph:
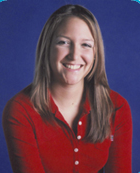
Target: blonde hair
x=96 y=81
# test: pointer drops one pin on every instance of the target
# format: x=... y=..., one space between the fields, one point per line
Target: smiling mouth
x=73 y=67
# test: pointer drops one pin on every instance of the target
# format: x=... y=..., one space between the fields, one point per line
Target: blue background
x=21 y=22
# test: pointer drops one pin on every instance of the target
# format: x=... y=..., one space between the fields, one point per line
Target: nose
x=74 y=52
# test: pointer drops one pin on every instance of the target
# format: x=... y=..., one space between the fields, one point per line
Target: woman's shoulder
x=117 y=99
x=19 y=101
x=121 y=108
x=22 y=96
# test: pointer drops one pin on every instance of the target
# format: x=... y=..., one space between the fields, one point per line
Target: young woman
x=68 y=120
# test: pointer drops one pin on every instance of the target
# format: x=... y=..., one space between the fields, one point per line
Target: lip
x=72 y=66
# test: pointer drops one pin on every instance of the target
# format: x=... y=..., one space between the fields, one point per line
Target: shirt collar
x=54 y=109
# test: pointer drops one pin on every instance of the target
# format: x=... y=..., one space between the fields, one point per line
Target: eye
x=87 y=45
x=63 y=42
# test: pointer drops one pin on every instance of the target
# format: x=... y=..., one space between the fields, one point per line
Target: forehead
x=73 y=24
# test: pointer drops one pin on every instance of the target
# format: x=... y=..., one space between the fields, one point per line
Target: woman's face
x=72 y=52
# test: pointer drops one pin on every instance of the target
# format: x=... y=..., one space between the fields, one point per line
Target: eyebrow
x=62 y=36
x=84 y=39
x=88 y=39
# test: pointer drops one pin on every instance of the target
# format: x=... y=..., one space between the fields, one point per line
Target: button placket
x=79 y=137
x=76 y=155
x=79 y=130
x=80 y=123
x=76 y=162
x=76 y=150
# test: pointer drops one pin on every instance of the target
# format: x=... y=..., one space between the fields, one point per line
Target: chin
x=73 y=82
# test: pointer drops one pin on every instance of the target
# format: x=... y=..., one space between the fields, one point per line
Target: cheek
x=54 y=58
x=53 y=53
x=57 y=54
x=89 y=58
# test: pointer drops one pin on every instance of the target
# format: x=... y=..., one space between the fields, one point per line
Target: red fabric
x=36 y=146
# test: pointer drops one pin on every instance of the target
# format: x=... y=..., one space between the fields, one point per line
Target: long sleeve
x=20 y=138
x=120 y=152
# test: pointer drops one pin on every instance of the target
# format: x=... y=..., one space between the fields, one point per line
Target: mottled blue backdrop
x=21 y=22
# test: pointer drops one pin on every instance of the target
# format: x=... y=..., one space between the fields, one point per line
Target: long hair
x=96 y=81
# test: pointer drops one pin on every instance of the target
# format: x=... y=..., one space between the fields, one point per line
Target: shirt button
x=79 y=137
x=76 y=162
x=76 y=150
x=80 y=123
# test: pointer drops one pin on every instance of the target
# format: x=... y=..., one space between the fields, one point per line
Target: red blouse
x=36 y=146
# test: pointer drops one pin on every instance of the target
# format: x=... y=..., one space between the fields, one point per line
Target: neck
x=70 y=95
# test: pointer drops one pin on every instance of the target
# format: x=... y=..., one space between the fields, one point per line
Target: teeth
x=73 y=66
